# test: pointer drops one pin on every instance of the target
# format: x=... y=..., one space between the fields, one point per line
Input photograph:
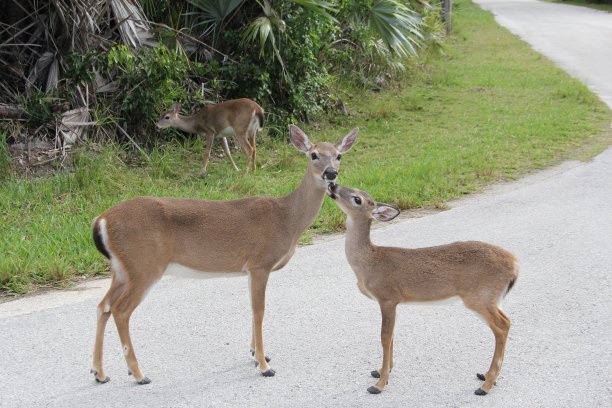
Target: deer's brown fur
x=242 y=118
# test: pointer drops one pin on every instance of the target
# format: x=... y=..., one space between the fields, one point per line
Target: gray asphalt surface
x=191 y=336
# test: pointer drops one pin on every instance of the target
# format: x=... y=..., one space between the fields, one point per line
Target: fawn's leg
x=387 y=311
x=500 y=326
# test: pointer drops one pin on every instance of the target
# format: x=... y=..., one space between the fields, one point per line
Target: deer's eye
x=314 y=156
x=167 y=118
x=357 y=200
x=338 y=157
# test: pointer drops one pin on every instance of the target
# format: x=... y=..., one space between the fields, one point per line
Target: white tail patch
x=181 y=271
x=115 y=264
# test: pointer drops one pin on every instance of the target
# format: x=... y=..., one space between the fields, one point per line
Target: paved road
x=192 y=336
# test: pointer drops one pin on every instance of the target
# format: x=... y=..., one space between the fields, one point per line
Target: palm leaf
x=397 y=26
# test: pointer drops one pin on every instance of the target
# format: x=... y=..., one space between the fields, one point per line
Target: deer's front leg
x=228 y=153
x=258 y=279
x=387 y=311
x=210 y=137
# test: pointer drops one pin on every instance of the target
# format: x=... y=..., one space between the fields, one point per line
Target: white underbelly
x=228 y=131
x=181 y=271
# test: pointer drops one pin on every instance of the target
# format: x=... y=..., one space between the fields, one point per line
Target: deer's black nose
x=330 y=174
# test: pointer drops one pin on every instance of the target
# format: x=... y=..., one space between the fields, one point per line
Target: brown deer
x=146 y=237
x=242 y=118
x=478 y=273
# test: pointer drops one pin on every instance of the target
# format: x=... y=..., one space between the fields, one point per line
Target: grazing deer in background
x=242 y=118
x=148 y=236
x=477 y=272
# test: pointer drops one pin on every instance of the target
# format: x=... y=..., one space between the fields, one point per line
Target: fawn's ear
x=299 y=139
x=344 y=145
x=385 y=212
x=176 y=107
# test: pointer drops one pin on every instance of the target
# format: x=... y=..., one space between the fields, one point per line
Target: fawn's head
x=169 y=116
x=358 y=204
x=324 y=158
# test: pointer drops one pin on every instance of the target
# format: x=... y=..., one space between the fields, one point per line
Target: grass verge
x=490 y=109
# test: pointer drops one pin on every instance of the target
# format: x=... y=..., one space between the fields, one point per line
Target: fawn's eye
x=167 y=118
x=338 y=157
x=357 y=200
x=314 y=156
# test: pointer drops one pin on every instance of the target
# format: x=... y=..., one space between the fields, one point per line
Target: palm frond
x=321 y=7
x=397 y=26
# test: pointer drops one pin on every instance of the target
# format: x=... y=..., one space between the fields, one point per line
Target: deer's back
x=435 y=273
x=203 y=235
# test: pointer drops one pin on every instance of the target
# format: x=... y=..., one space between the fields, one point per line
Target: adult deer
x=148 y=236
x=478 y=273
x=242 y=118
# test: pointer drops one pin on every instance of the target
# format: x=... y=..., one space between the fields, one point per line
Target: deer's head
x=358 y=204
x=324 y=158
x=169 y=116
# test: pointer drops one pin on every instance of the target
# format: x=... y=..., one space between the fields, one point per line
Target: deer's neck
x=189 y=124
x=305 y=202
x=358 y=243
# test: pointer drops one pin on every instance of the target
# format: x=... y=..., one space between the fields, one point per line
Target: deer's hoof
x=482 y=378
x=374 y=390
x=269 y=373
x=266 y=357
x=144 y=381
x=480 y=391
x=104 y=381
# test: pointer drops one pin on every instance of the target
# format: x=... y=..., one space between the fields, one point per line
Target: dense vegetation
x=124 y=61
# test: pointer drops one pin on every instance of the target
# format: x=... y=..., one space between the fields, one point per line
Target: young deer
x=148 y=236
x=242 y=118
x=477 y=272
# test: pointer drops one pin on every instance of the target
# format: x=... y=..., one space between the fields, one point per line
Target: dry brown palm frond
x=133 y=25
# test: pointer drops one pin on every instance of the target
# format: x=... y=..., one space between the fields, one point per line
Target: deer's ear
x=176 y=107
x=299 y=139
x=385 y=212
x=344 y=145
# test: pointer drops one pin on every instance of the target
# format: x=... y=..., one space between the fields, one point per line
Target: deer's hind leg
x=104 y=312
x=142 y=277
x=500 y=326
x=387 y=311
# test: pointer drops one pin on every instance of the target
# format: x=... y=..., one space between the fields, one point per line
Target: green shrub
x=147 y=80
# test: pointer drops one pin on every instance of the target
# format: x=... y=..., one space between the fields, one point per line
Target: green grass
x=490 y=109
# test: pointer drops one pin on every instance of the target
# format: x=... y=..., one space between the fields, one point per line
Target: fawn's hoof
x=375 y=374
x=374 y=390
x=480 y=391
x=144 y=381
x=104 y=381
x=483 y=378
x=266 y=357
x=269 y=373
